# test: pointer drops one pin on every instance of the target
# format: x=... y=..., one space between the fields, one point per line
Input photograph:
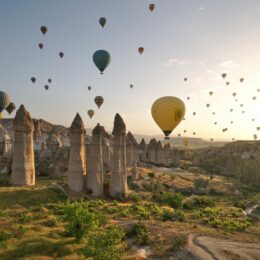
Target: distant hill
x=47 y=127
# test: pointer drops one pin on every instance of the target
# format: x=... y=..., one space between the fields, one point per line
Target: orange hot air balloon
x=99 y=101
x=141 y=50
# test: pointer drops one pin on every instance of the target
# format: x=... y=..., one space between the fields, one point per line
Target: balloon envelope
x=61 y=54
x=44 y=29
x=151 y=7
x=11 y=107
x=102 y=21
x=141 y=50
x=4 y=100
x=40 y=45
x=101 y=59
x=91 y=113
x=168 y=112
x=99 y=101
x=33 y=79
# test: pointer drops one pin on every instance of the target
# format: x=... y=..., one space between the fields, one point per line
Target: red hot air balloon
x=141 y=50
x=151 y=7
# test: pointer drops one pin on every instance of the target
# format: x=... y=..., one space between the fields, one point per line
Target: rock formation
x=5 y=142
x=95 y=167
x=37 y=136
x=118 y=180
x=151 y=151
x=142 y=151
x=77 y=158
x=54 y=141
x=132 y=154
x=106 y=151
x=134 y=173
x=159 y=153
x=23 y=168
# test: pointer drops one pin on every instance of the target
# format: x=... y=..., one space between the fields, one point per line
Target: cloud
x=175 y=61
x=201 y=8
x=230 y=65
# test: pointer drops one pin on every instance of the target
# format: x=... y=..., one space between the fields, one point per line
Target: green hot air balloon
x=101 y=59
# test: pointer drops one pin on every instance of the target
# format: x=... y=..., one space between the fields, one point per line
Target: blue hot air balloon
x=101 y=59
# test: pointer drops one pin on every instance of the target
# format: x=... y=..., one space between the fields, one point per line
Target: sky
x=197 y=39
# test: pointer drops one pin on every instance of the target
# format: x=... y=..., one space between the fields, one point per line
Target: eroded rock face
x=77 y=158
x=132 y=153
x=53 y=142
x=5 y=142
x=38 y=137
x=151 y=151
x=142 y=151
x=118 y=180
x=23 y=168
x=95 y=167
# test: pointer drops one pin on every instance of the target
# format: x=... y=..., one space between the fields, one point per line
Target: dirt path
x=204 y=247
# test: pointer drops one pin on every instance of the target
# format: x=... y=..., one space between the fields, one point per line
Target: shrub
x=177 y=215
x=173 y=200
x=134 y=197
x=141 y=234
x=141 y=211
x=81 y=221
x=105 y=244
x=201 y=183
x=151 y=174
x=194 y=202
x=4 y=236
x=179 y=242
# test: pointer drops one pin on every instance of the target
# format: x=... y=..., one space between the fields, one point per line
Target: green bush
x=201 y=183
x=105 y=244
x=194 y=202
x=172 y=199
x=177 y=215
x=141 y=211
x=134 y=197
x=80 y=220
x=151 y=174
x=179 y=242
x=4 y=236
x=141 y=234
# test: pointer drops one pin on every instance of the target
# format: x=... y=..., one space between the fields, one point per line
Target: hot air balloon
x=188 y=98
x=236 y=100
x=184 y=131
x=151 y=7
x=194 y=133
x=231 y=122
x=184 y=119
x=234 y=94
x=179 y=135
x=233 y=139
x=101 y=59
x=258 y=128
x=11 y=107
x=194 y=113
x=61 y=54
x=50 y=80
x=243 y=112
x=89 y=88
x=211 y=93
x=231 y=110
x=258 y=90
x=224 y=130
x=4 y=101
x=186 y=142
x=211 y=139
x=213 y=113
x=253 y=120
x=33 y=79
x=91 y=113
x=99 y=101
x=185 y=79
x=40 y=45
x=141 y=50
x=227 y=83
x=241 y=80
x=207 y=105
x=44 y=29
x=255 y=137
x=46 y=87
x=131 y=85
x=168 y=112
x=215 y=123
x=102 y=21
x=241 y=105
x=254 y=98
x=224 y=75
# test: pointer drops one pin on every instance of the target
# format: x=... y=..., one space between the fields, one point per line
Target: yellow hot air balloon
x=168 y=112
x=186 y=142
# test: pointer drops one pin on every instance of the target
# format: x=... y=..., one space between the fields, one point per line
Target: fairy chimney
x=23 y=167
x=95 y=167
x=77 y=158
x=118 y=180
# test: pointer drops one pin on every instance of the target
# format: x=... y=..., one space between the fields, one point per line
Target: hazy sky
x=182 y=38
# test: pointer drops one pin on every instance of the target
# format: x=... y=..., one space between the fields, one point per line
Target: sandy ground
x=204 y=247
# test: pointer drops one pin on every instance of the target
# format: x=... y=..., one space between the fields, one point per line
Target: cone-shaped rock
x=151 y=151
x=77 y=159
x=23 y=167
x=159 y=153
x=142 y=150
x=118 y=180
x=37 y=135
x=132 y=154
x=95 y=165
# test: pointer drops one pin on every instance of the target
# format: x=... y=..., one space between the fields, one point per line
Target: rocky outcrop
x=23 y=168
x=159 y=153
x=142 y=151
x=37 y=136
x=95 y=165
x=53 y=142
x=151 y=151
x=132 y=154
x=5 y=142
x=106 y=151
x=118 y=180
x=77 y=158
